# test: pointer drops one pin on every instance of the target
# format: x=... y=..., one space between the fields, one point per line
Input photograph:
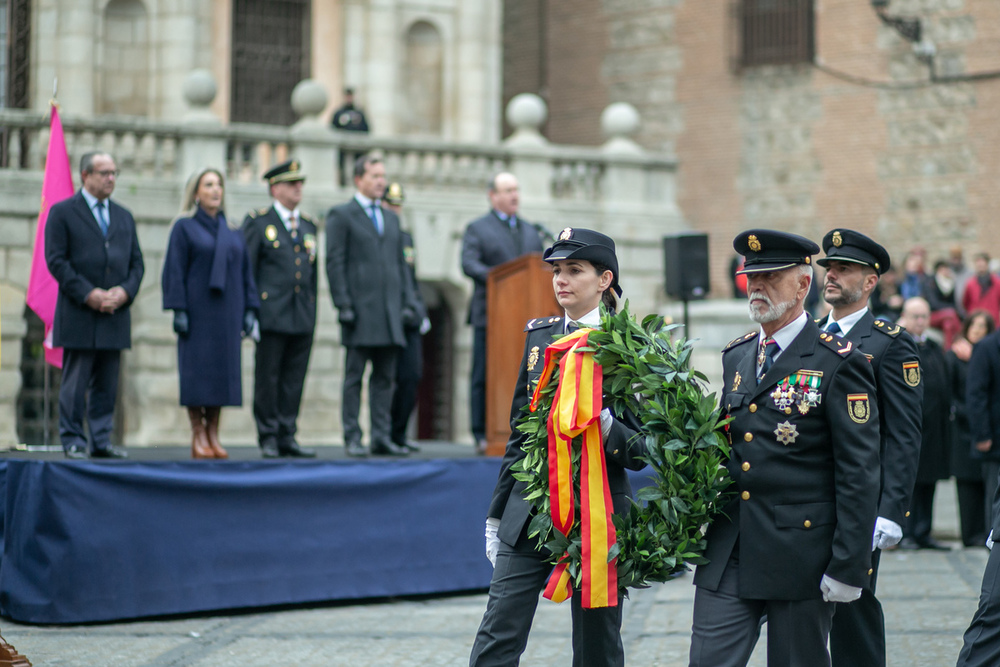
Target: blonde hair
x=189 y=203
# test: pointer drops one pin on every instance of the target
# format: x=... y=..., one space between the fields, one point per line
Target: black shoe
x=269 y=450
x=109 y=452
x=293 y=449
x=413 y=448
x=933 y=544
x=908 y=544
x=356 y=449
x=79 y=452
x=388 y=448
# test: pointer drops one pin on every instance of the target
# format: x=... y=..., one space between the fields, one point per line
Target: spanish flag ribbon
x=576 y=411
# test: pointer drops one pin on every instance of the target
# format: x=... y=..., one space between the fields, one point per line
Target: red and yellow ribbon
x=576 y=410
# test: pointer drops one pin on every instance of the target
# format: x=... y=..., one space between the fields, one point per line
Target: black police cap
x=847 y=245
x=285 y=172
x=394 y=194
x=589 y=245
x=769 y=250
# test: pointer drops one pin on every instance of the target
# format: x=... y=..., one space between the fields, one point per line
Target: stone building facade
x=858 y=135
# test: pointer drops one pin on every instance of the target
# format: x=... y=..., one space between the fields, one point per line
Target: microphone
x=543 y=232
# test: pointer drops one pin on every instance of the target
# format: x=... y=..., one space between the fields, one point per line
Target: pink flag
x=56 y=186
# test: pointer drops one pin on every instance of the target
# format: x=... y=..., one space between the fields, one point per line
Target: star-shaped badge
x=786 y=433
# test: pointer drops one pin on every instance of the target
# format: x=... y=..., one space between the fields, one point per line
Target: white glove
x=606 y=421
x=887 y=534
x=492 y=541
x=835 y=591
x=989 y=541
x=425 y=325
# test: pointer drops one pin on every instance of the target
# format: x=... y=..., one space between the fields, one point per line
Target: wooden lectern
x=516 y=292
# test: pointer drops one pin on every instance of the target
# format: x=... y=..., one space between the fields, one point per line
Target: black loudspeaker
x=685 y=266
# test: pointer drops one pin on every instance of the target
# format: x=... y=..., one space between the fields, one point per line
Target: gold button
x=298 y=275
x=788 y=411
x=298 y=260
x=297 y=289
x=807 y=523
x=907 y=514
x=745 y=495
x=615 y=452
x=263 y=296
x=296 y=248
x=748 y=437
x=745 y=466
x=870 y=570
x=753 y=407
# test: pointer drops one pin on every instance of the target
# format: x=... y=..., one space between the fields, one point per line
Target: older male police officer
x=282 y=246
x=853 y=265
x=796 y=536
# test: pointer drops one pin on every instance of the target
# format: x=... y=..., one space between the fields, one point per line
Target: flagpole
x=45 y=404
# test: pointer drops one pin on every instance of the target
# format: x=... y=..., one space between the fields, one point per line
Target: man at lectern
x=497 y=237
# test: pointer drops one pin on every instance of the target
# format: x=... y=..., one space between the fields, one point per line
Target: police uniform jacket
x=285 y=271
x=488 y=242
x=80 y=258
x=621 y=449
x=896 y=363
x=805 y=474
x=410 y=255
x=367 y=274
x=982 y=396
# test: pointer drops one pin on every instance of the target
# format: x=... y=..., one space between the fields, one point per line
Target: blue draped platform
x=88 y=541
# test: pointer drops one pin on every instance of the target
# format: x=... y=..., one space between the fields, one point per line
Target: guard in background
x=282 y=246
x=853 y=265
x=410 y=362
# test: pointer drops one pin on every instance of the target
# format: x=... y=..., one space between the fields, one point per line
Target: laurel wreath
x=649 y=373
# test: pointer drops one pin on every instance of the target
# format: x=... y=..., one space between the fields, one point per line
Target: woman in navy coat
x=208 y=283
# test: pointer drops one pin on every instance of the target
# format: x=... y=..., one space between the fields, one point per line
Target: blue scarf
x=216 y=225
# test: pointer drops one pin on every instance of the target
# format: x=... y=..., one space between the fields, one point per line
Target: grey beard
x=774 y=310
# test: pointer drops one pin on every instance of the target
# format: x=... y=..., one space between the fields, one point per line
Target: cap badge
x=754 y=243
x=566 y=234
x=294 y=166
x=270 y=233
x=837 y=240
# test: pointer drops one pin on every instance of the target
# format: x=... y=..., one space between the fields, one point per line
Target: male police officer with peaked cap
x=853 y=265
x=282 y=246
x=796 y=535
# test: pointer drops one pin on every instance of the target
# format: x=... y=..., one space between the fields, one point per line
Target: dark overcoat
x=935 y=447
x=488 y=242
x=805 y=476
x=366 y=272
x=621 y=449
x=982 y=395
x=215 y=286
x=896 y=364
x=965 y=465
x=81 y=258
x=284 y=270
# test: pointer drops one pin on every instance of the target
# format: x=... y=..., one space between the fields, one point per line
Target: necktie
x=102 y=217
x=571 y=327
x=373 y=214
x=834 y=328
x=293 y=225
x=765 y=357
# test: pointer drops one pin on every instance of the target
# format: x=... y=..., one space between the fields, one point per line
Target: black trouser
x=981 y=647
x=279 y=377
x=972 y=511
x=477 y=385
x=380 y=387
x=518 y=577
x=409 y=369
x=918 y=524
x=89 y=389
x=858 y=633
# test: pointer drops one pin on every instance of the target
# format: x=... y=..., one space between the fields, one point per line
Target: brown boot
x=200 y=447
x=212 y=421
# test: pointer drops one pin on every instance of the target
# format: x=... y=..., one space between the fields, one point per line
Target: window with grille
x=15 y=33
x=775 y=32
x=270 y=56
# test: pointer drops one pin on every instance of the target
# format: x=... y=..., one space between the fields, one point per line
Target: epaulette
x=305 y=217
x=740 y=341
x=542 y=322
x=263 y=210
x=839 y=345
x=888 y=328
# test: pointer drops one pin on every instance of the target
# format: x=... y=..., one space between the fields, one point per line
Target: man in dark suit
x=853 y=265
x=497 y=237
x=796 y=535
x=367 y=273
x=93 y=253
x=281 y=242
x=982 y=639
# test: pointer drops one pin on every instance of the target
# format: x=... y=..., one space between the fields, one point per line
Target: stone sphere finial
x=309 y=98
x=620 y=119
x=199 y=88
x=527 y=111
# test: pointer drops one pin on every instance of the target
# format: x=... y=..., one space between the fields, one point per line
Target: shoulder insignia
x=263 y=210
x=307 y=218
x=858 y=408
x=911 y=373
x=541 y=323
x=892 y=330
x=252 y=214
x=836 y=343
x=740 y=340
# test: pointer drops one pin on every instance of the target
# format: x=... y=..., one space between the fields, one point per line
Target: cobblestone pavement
x=929 y=598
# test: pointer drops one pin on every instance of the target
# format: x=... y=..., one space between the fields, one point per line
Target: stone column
x=312 y=137
x=531 y=162
x=201 y=146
